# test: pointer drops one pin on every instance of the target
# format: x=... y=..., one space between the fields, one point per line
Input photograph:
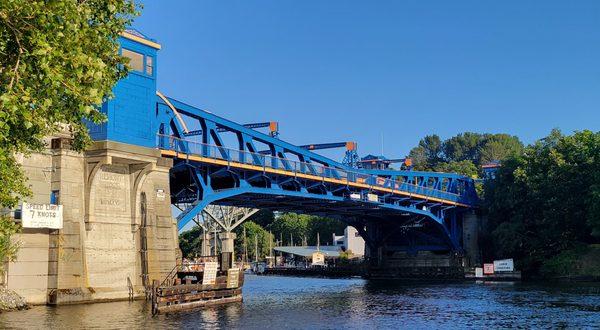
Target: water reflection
x=295 y=303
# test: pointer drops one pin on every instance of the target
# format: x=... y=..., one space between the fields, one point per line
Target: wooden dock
x=185 y=290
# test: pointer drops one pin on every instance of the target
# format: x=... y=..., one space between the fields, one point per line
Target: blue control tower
x=132 y=112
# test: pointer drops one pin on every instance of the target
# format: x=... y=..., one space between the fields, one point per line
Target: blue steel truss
x=258 y=170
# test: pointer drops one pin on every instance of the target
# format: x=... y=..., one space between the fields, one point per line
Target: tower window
x=149 y=65
x=136 y=60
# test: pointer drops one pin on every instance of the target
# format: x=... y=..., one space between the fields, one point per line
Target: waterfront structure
x=350 y=241
x=118 y=234
x=197 y=284
x=305 y=256
x=490 y=169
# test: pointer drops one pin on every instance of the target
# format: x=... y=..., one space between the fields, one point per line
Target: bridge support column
x=470 y=228
x=394 y=254
x=205 y=250
x=227 y=249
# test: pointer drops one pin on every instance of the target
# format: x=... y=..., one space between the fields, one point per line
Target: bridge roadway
x=424 y=206
x=258 y=163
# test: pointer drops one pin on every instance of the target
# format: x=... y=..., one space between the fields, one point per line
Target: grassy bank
x=582 y=262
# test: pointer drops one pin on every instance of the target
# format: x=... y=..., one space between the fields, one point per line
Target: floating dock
x=195 y=286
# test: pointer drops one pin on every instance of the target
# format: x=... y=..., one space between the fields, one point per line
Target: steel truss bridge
x=217 y=161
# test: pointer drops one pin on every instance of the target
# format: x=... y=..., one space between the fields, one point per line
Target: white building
x=351 y=240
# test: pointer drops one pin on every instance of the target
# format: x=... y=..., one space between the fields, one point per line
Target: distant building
x=351 y=240
x=304 y=256
x=373 y=162
x=338 y=241
x=490 y=169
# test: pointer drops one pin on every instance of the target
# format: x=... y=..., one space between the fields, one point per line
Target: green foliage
x=325 y=227
x=581 y=260
x=13 y=181
x=496 y=147
x=291 y=227
x=464 y=167
x=463 y=153
x=190 y=242
x=58 y=62
x=254 y=234
x=428 y=153
x=464 y=146
x=263 y=218
x=301 y=227
x=8 y=247
x=545 y=201
x=346 y=255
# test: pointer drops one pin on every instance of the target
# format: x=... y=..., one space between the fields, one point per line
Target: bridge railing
x=167 y=142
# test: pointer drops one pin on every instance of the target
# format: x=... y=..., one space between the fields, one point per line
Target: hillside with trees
x=544 y=206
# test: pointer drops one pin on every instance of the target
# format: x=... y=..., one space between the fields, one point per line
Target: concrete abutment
x=118 y=233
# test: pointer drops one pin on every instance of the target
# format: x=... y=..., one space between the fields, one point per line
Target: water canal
x=296 y=303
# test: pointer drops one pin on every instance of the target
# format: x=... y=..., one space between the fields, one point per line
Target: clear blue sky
x=333 y=71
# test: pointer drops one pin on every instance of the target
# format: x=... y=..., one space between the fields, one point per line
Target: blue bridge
x=218 y=161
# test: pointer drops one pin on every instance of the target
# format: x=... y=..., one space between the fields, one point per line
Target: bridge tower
x=118 y=233
x=131 y=113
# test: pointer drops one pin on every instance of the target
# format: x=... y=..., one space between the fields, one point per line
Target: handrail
x=268 y=161
x=179 y=267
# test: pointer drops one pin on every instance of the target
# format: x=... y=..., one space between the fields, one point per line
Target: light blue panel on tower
x=131 y=113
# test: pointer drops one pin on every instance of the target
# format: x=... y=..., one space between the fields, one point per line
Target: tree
x=498 y=147
x=428 y=153
x=463 y=153
x=464 y=146
x=290 y=226
x=190 y=242
x=301 y=227
x=58 y=62
x=464 y=167
x=263 y=218
x=8 y=247
x=544 y=202
x=325 y=227
x=254 y=234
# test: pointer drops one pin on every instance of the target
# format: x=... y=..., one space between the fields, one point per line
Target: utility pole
x=291 y=240
x=204 y=242
x=215 y=234
x=281 y=244
x=256 y=248
x=270 y=249
x=318 y=241
x=245 y=248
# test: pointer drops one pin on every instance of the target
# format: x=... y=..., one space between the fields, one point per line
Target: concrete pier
x=390 y=257
x=227 y=249
x=118 y=233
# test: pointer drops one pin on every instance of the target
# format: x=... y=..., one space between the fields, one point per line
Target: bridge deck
x=220 y=156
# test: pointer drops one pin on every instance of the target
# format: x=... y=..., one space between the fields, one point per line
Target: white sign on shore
x=478 y=272
x=42 y=216
x=506 y=265
x=210 y=273
x=233 y=278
